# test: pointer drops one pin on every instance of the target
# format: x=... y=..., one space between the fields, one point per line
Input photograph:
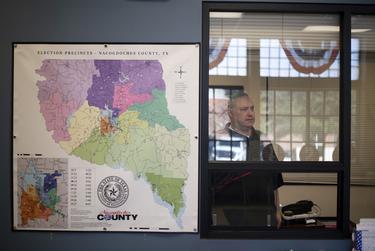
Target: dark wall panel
x=105 y=21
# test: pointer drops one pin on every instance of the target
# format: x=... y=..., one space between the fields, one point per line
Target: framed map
x=105 y=137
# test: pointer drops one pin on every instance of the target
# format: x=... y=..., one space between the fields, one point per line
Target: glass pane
x=331 y=129
x=310 y=187
x=362 y=117
x=332 y=106
x=316 y=129
x=299 y=129
x=299 y=103
x=253 y=199
x=283 y=151
x=244 y=198
x=282 y=102
x=267 y=102
x=288 y=68
x=316 y=103
x=266 y=124
x=282 y=128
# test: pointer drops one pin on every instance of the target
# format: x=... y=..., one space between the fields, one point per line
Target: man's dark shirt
x=243 y=188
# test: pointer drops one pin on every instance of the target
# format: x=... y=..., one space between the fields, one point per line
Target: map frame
x=184 y=90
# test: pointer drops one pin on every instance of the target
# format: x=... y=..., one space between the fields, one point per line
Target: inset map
x=42 y=193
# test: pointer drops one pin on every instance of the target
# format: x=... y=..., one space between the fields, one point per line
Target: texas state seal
x=113 y=191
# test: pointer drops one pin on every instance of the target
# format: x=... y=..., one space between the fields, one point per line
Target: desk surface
x=320 y=222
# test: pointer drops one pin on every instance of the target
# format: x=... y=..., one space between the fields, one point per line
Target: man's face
x=242 y=113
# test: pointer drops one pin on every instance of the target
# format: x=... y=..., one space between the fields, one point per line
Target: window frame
x=341 y=168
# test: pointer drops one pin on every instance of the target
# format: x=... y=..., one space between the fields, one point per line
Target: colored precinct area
x=123 y=97
x=146 y=74
x=80 y=126
x=122 y=83
x=170 y=189
x=118 y=117
x=31 y=206
x=100 y=94
x=63 y=92
x=104 y=84
x=39 y=198
x=95 y=148
x=156 y=111
x=148 y=152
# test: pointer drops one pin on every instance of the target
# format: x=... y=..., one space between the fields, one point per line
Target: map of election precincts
x=114 y=113
x=42 y=193
x=105 y=137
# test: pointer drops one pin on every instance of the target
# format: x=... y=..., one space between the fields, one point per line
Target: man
x=240 y=141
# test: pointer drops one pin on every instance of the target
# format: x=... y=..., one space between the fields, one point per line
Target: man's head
x=241 y=112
